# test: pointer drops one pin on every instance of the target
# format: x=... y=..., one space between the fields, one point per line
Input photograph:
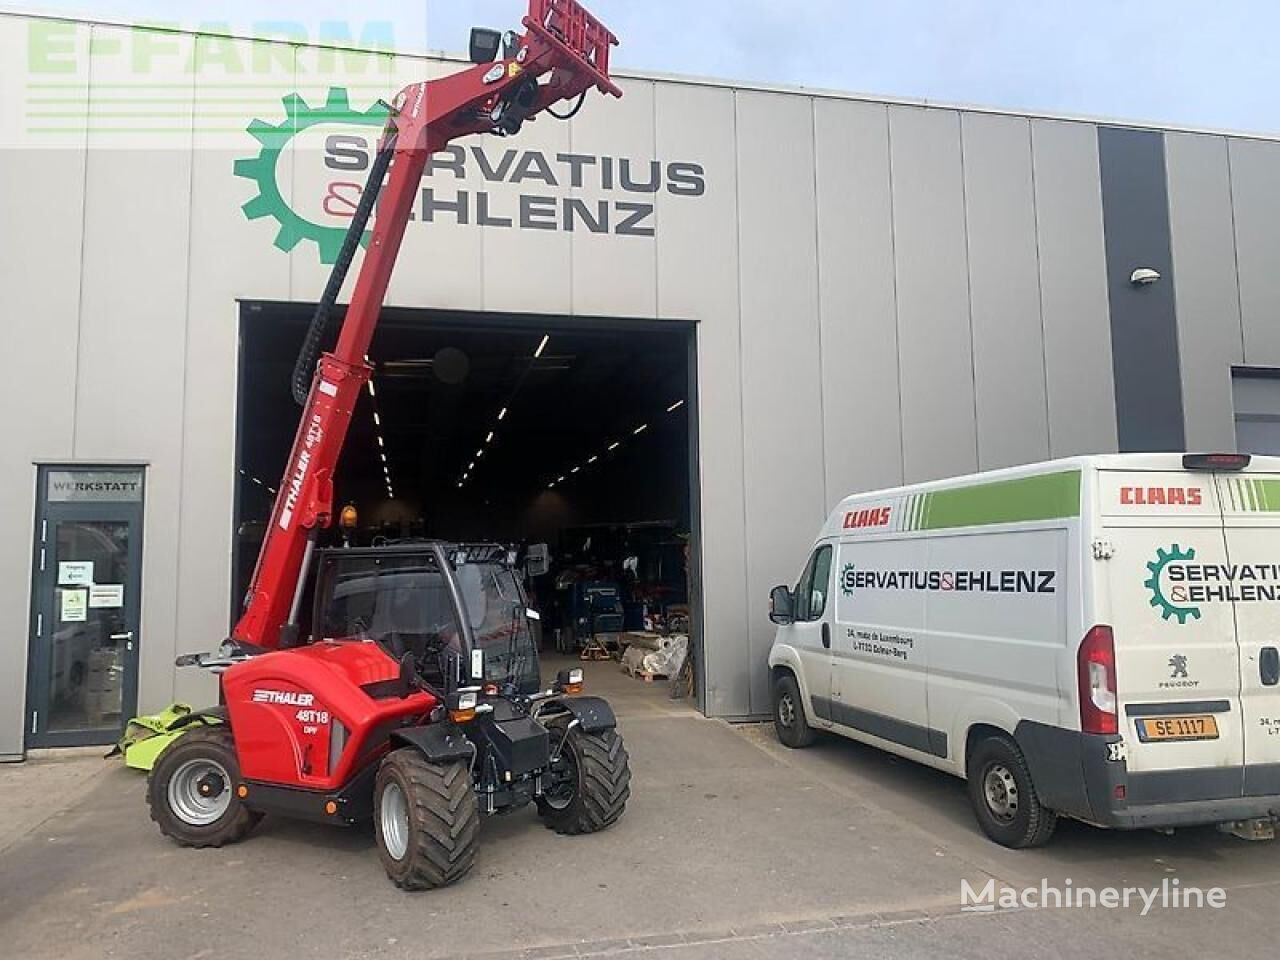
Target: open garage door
x=551 y=434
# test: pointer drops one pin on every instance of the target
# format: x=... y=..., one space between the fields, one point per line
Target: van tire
x=789 y=720
x=1004 y=798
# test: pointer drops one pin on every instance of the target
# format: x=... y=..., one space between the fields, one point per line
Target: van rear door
x=1251 y=511
x=1177 y=659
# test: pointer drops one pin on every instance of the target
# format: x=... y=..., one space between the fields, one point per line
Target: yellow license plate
x=1177 y=728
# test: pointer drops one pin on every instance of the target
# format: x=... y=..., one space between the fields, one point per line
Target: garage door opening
x=523 y=430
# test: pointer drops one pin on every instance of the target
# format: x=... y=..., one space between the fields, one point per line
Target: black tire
x=594 y=781
x=789 y=720
x=442 y=820
x=194 y=778
x=1004 y=798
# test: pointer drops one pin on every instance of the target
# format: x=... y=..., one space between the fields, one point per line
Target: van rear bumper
x=1086 y=776
x=1192 y=813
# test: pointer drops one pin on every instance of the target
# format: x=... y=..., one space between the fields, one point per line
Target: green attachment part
x=145 y=738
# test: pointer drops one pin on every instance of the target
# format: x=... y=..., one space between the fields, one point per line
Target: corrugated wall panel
x=528 y=266
x=938 y=426
x=1073 y=288
x=1255 y=202
x=131 y=379
x=1206 y=291
x=697 y=267
x=1144 y=334
x=781 y=395
x=1004 y=281
x=615 y=273
x=40 y=275
x=231 y=257
x=862 y=417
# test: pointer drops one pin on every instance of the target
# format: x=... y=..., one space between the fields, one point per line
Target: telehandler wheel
x=589 y=782
x=426 y=819
x=192 y=790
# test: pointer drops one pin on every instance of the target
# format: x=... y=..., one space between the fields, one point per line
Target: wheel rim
x=786 y=711
x=200 y=792
x=395 y=821
x=1001 y=791
x=564 y=781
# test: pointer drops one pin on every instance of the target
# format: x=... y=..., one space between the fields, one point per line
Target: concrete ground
x=731 y=847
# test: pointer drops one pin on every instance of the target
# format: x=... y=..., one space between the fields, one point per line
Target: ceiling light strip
x=672 y=408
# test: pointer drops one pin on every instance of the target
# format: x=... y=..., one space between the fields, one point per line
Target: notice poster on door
x=75 y=605
x=106 y=596
x=75 y=573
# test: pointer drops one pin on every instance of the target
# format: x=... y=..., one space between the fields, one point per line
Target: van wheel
x=1004 y=798
x=788 y=713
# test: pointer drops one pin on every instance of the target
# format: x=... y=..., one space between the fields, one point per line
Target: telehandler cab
x=416 y=698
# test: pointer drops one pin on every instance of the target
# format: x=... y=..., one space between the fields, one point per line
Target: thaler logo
x=1161 y=496
x=286 y=697
x=874 y=517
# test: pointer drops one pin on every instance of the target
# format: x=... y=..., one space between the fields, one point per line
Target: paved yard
x=731 y=847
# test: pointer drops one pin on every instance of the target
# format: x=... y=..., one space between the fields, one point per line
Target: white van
x=1093 y=638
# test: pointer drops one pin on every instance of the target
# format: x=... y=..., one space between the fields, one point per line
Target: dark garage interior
x=518 y=429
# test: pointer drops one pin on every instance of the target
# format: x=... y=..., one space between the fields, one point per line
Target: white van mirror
x=781 y=605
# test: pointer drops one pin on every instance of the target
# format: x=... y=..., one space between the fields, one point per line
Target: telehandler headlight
x=466 y=708
x=484 y=44
x=570 y=681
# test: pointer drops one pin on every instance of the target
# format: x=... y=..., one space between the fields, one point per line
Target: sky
x=1198 y=64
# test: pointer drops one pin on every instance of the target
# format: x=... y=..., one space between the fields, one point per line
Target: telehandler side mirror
x=408 y=675
x=782 y=606
x=484 y=44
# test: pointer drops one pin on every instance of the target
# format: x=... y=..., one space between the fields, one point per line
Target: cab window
x=814 y=585
x=400 y=602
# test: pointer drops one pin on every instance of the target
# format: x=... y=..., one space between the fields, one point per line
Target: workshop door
x=82 y=675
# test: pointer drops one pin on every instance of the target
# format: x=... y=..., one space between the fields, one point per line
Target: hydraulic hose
x=304 y=367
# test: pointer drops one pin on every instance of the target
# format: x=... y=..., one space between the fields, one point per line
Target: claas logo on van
x=1161 y=496
x=872 y=517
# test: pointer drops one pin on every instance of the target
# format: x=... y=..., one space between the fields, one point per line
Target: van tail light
x=1097 y=669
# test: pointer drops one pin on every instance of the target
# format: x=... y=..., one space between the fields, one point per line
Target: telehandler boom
x=415 y=699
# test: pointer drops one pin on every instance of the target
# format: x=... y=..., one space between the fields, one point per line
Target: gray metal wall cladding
x=1144 y=334
x=882 y=292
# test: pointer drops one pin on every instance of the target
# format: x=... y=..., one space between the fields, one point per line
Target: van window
x=815 y=584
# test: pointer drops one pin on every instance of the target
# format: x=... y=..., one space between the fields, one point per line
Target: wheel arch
x=784 y=660
x=594 y=714
x=985 y=717
x=438 y=743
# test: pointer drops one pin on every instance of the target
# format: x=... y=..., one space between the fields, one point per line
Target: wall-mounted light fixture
x=1144 y=276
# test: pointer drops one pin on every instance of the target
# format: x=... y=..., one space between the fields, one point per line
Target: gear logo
x=262 y=169
x=846 y=579
x=1159 y=598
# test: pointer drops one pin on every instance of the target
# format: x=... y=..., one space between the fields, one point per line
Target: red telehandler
x=416 y=699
